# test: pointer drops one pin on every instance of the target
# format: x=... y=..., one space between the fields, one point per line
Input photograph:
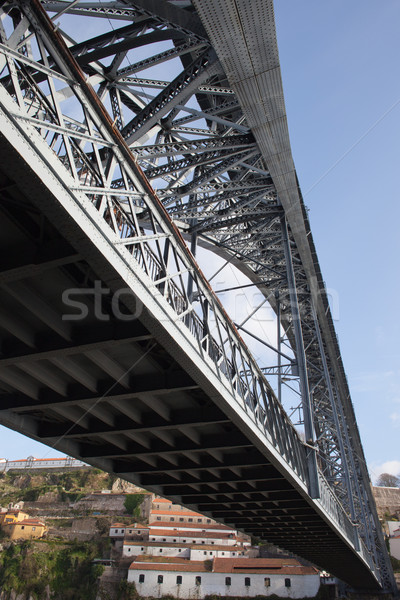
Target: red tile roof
x=287 y=566
x=176 y=513
x=33 y=522
x=201 y=526
x=118 y=525
x=193 y=534
x=163 y=564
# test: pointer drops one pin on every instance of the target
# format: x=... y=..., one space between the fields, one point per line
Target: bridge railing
x=47 y=98
x=89 y=152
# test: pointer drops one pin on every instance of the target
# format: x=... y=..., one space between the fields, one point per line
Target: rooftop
x=165 y=564
x=191 y=526
x=287 y=566
x=180 y=513
x=193 y=534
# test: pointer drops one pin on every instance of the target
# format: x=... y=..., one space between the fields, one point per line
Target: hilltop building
x=26 y=529
x=41 y=463
x=17 y=524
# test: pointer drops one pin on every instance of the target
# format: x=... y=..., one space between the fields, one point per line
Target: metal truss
x=110 y=130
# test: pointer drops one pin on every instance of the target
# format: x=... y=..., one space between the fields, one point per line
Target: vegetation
x=388 y=480
x=69 y=486
x=67 y=569
x=132 y=504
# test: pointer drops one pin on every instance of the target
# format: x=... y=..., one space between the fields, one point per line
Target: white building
x=205 y=527
x=197 y=552
x=165 y=510
x=394 y=543
x=224 y=576
x=135 y=531
x=178 y=536
x=41 y=463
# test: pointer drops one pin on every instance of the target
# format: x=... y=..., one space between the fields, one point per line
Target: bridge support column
x=313 y=484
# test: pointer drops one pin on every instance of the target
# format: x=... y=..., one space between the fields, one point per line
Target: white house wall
x=191 y=539
x=181 y=552
x=214 y=583
x=395 y=547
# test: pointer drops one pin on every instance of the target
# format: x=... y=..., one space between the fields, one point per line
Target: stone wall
x=387 y=500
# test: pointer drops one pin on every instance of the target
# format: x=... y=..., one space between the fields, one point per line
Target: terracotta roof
x=201 y=526
x=176 y=513
x=193 y=566
x=160 y=559
x=118 y=525
x=162 y=500
x=193 y=534
x=30 y=522
x=287 y=566
x=137 y=526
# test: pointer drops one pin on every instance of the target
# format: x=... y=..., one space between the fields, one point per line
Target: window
x=205 y=552
x=212 y=543
x=287 y=582
x=199 y=520
x=223 y=554
x=209 y=521
x=179 y=550
x=141 y=578
x=267 y=581
x=116 y=531
x=233 y=553
x=22 y=526
x=129 y=549
x=211 y=553
x=175 y=540
x=193 y=541
x=33 y=528
x=164 y=539
x=160 y=550
x=198 y=580
x=160 y=579
x=178 y=579
x=158 y=518
x=142 y=549
x=202 y=541
x=172 y=518
x=227 y=581
x=247 y=581
x=153 y=539
x=190 y=520
x=184 y=541
x=181 y=519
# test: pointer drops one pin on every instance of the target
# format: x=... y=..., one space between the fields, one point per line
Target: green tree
x=388 y=480
x=132 y=504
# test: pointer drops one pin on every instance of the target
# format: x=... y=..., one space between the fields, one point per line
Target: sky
x=339 y=66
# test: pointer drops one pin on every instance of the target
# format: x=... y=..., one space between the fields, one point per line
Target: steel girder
x=212 y=177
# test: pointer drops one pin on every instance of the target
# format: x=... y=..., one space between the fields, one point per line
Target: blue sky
x=340 y=73
x=339 y=64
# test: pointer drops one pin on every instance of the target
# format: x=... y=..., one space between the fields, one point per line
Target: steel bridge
x=132 y=132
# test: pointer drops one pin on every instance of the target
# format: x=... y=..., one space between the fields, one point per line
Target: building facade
x=224 y=577
x=25 y=530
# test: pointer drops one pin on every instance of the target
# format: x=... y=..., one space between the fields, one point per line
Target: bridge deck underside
x=114 y=394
